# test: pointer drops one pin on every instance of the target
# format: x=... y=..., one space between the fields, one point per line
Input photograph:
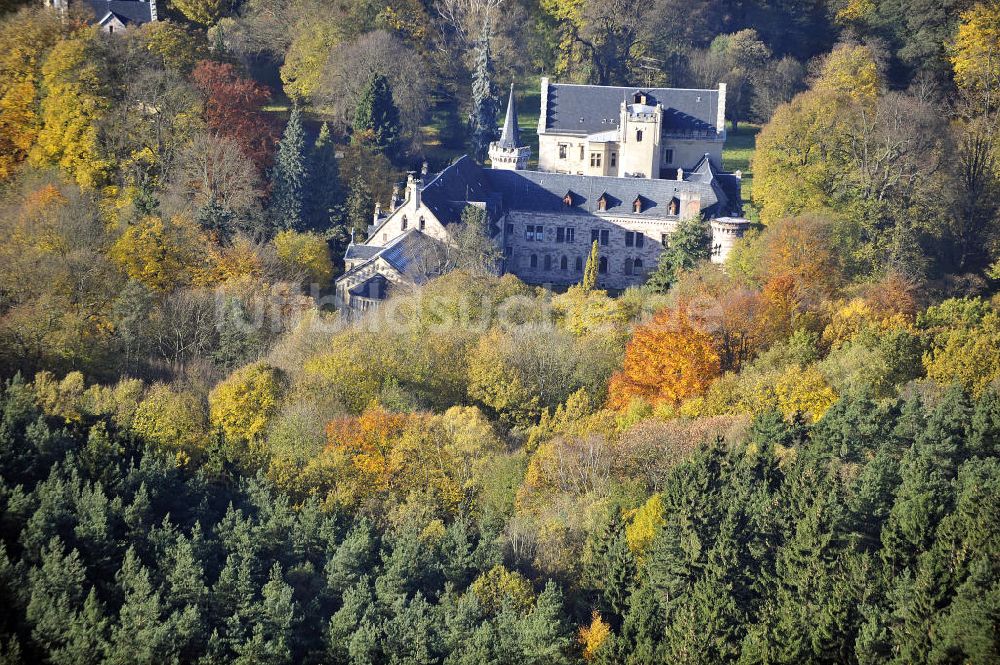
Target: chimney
x=680 y=174
x=394 y=199
x=543 y=113
x=720 y=120
x=423 y=169
x=413 y=187
x=378 y=212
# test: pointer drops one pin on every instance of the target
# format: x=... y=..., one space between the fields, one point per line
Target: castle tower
x=726 y=231
x=639 y=137
x=508 y=153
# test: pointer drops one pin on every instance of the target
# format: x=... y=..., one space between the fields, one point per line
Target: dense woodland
x=792 y=458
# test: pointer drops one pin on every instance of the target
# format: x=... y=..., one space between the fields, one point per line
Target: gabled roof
x=126 y=11
x=450 y=191
x=544 y=192
x=587 y=109
x=355 y=252
x=510 y=136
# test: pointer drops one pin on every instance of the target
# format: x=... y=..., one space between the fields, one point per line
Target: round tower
x=725 y=232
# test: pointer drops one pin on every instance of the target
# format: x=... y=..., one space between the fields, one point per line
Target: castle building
x=546 y=221
x=115 y=16
x=629 y=132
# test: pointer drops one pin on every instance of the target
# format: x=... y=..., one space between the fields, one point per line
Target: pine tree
x=360 y=208
x=288 y=177
x=688 y=244
x=376 y=118
x=483 y=119
x=589 y=282
x=323 y=195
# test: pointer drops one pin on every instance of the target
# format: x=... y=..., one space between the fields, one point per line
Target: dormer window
x=637 y=204
x=568 y=199
x=639 y=98
x=675 y=206
x=602 y=203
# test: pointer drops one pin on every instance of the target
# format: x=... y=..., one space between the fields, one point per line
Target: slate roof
x=586 y=109
x=355 y=252
x=448 y=193
x=407 y=248
x=510 y=136
x=127 y=11
x=544 y=192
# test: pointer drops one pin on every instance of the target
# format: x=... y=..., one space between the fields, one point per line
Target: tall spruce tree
x=483 y=119
x=289 y=176
x=323 y=193
x=376 y=118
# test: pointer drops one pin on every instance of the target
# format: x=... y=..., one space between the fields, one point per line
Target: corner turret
x=508 y=153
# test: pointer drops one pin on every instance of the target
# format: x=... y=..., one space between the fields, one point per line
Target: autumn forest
x=792 y=457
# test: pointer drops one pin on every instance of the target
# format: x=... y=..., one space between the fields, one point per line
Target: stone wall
x=519 y=250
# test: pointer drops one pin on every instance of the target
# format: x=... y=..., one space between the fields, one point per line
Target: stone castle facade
x=545 y=221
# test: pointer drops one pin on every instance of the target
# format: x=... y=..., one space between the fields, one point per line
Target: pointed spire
x=510 y=137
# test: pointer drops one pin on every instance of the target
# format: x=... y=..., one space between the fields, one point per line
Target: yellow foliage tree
x=25 y=37
x=161 y=255
x=243 y=404
x=72 y=106
x=799 y=154
x=669 y=359
x=593 y=636
x=645 y=524
x=975 y=55
x=968 y=355
x=850 y=70
x=174 y=421
x=499 y=589
x=305 y=252
x=306 y=59
x=205 y=12
x=804 y=390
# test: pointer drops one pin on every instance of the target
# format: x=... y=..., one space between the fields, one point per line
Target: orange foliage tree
x=668 y=360
x=368 y=440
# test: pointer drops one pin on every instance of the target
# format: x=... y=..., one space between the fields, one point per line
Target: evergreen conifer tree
x=360 y=208
x=323 y=193
x=376 y=118
x=289 y=176
x=589 y=282
x=483 y=119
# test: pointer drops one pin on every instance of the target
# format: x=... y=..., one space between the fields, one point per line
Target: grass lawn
x=738 y=152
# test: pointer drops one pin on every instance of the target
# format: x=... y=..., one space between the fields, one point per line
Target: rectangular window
x=539 y=233
x=581 y=152
x=629 y=238
x=529 y=232
x=570 y=234
x=640 y=240
x=614 y=158
x=595 y=235
x=665 y=239
x=595 y=159
x=604 y=237
x=562 y=150
x=508 y=251
x=560 y=234
x=510 y=229
x=668 y=156
x=638 y=136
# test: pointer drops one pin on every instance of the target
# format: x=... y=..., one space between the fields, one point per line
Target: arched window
x=405 y=222
x=548 y=262
x=579 y=263
x=628 y=266
x=534 y=261
x=563 y=263
x=602 y=265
